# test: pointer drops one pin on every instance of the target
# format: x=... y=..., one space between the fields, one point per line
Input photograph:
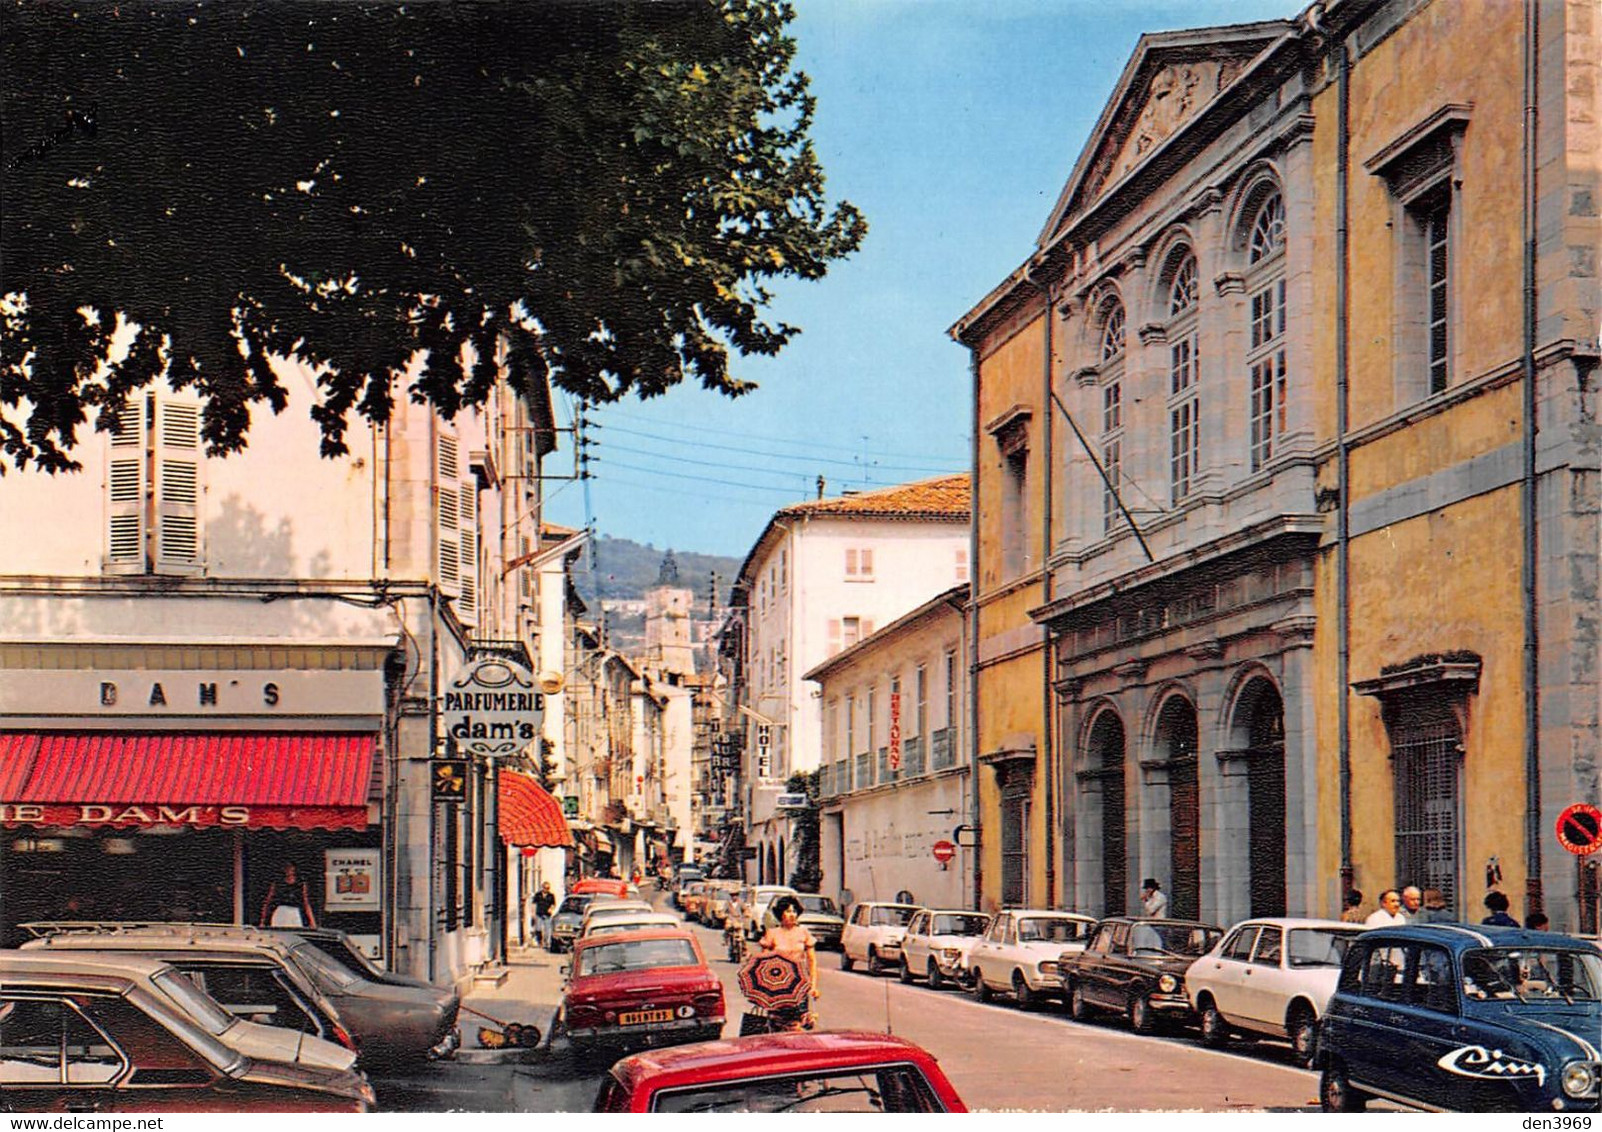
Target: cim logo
x=1490 y=1064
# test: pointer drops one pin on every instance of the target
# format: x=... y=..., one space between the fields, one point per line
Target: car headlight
x=951 y=953
x=1167 y=984
x=1579 y=1078
x=1049 y=968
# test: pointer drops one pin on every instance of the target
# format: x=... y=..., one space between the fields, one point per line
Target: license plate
x=644 y=1017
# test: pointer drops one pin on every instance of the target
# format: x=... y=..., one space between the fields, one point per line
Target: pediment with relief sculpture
x=1170 y=79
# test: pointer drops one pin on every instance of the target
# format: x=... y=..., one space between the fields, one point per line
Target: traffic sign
x=1579 y=829
x=944 y=851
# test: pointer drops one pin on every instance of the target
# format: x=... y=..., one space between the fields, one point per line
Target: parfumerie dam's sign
x=89 y=813
x=492 y=708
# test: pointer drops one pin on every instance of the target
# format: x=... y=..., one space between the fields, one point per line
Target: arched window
x=1265 y=355
x=1184 y=402
x=1112 y=406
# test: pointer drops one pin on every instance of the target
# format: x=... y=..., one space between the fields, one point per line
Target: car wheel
x=936 y=980
x=875 y=964
x=845 y=960
x=1335 y=1092
x=981 y=991
x=1214 y=1030
x=905 y=974
x=1141 y=1016
x=1020 y=991
x=1078 y=1005
x=1303 y=1030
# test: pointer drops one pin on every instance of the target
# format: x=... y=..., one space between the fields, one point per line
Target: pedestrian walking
x=1498 y=904
x=544 y=902
x=1389 y=913
x=1153 y=904
x=1353 y=912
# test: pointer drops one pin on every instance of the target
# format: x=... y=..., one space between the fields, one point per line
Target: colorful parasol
x=774 y=982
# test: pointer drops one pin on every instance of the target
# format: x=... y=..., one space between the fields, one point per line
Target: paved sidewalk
x=531 y=993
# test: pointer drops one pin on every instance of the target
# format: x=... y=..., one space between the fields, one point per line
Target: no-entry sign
x=1579 y=829
x=944 y=851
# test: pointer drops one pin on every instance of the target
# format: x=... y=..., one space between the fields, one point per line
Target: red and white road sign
x=944 y=851
x=1579 y=829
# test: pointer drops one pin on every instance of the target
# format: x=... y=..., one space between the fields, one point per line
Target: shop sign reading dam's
x=88 y=813
x=493 y=707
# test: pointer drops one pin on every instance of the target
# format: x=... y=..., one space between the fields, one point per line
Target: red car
x=796 y=1072
x=640 y=988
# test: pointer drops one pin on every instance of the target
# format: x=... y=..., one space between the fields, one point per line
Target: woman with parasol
x=781 y=979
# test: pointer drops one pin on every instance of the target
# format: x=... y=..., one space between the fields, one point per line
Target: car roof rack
x=42 y=929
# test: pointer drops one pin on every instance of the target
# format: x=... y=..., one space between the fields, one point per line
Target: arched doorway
x=1106 y=759
x=1260 y=722
x=1175 y=744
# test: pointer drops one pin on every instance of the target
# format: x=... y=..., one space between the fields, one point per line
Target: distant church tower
x=668 y=643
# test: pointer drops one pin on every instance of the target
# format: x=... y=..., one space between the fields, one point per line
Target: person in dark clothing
x=288 y=902
x=1498 y=904
x=544 y=902
x=1537 y=922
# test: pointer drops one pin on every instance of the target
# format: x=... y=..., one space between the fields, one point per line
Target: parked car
x=758 y=899
x=1269 y=977
x=938 y=943
x=604 y=886
x=1023 y=951
x=817 y=1072
x=633 y=921
x=165 y=982
x=821 y=916
x=642 y=988
x=611 y=910
x=692 y=898
x=342 y=949
x=386 y=1023
x=99 y=1040
x=715 y=909
x=686 y=876
x=872 y=935
x=1467 y=1019
x=1137 y=968
x=568 y=919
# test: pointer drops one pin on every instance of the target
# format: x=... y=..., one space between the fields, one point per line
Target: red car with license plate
x=827 y=1071
x=640 y=988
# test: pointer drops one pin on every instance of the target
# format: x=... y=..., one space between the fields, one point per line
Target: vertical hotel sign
x=493 y=708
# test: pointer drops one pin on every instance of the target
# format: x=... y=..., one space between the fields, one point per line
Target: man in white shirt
x=1389 y=913
x=1153 y=904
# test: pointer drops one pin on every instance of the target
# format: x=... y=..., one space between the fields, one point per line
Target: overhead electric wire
x=688 y=476
x=760 y=436
x=732 y=465
x=800 y=458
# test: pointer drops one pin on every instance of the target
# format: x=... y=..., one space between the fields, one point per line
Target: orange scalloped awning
x=529 y=816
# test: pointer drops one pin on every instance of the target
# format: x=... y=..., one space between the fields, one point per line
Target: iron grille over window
x=1428 y=809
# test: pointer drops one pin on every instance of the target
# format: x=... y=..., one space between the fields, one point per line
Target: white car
x=599 y=912
x=937 y=944
x=757 y=899
x=635 y=921
x=1022 y=951
x=873 y=934
x=1270 y=977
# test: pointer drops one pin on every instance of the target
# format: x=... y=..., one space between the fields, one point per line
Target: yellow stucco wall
x=1446 y=580
x=1010 y=375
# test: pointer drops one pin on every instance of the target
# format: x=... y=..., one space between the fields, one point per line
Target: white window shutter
x=177 y=483
x=834 y=635
x=467 y=603
x=851 y=562
x=867 y=562
x=125 y=488
x=867 y=627
x=449 y=508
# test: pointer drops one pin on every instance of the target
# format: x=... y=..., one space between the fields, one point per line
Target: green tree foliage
x=605 y=189
x=806 y=845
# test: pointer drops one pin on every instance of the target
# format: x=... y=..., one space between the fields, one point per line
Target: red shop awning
x=529 y=816
x=239 y=780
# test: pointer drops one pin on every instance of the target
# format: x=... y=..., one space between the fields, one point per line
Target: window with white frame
x=1184 y=369
x=1112 y=407
x=153 y=487
x=1265 y=356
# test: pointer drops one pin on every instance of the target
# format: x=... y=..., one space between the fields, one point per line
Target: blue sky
x=953 y=125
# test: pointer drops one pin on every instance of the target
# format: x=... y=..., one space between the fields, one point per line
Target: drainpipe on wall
x=433 y=683
x=1343 y=546
x=1048 y=729
x=1532 y=690
x=973 y=639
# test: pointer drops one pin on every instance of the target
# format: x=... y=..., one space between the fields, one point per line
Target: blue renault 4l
x=1466 y=1019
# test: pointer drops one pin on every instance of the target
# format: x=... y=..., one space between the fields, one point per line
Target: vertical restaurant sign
x=351 y=880
x=895 y=731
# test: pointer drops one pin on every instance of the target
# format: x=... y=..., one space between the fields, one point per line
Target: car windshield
x=193 y=1002
x=575 y=905
x=960 y=925
x=636 y=955
x=890 y=916
x=326 y=970
x=821 y=905
x=1532 y=974
x=1050 y=929
x=1318 y=947
x=897 y=1088
x=1171 y=939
